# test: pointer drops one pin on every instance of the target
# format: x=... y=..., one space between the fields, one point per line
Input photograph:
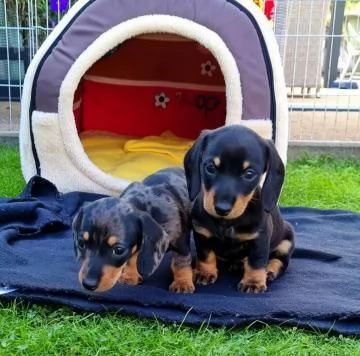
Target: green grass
x=11 y=180
x=38 y=330
x=322 y=182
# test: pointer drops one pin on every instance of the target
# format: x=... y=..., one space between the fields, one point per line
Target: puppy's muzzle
x=223 y=208
x=90 y=283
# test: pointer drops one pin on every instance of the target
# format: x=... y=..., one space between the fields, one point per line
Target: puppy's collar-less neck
x=221 y=228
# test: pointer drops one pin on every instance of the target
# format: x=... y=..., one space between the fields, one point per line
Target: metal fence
x=319 y=42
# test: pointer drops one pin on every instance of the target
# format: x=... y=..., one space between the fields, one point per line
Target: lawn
x=26 y=329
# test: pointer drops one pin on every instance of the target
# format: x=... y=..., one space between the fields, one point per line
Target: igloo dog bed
x=123 y=78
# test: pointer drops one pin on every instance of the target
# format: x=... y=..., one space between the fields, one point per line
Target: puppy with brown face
x=124 y=239
x=235 y=216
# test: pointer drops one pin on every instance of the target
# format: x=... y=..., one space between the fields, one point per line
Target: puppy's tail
x=300 y=252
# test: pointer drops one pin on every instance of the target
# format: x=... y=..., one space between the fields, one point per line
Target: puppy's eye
x=118 y=250
x=81 y=244
x=210 y=168
x=249 y=174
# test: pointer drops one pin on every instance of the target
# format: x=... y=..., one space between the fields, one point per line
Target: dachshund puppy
x=235 y=217
x=124 y=239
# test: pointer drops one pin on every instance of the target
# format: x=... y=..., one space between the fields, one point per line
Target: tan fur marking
x=112 y=240
x=246 y=164
x=202 y=231
x=183 y=279
x=247 y=237
x=238 y=209
x=254 y=279
x=240 y=205
x=130 y=274
x=284 y=247
x=109 y=277
x=208 y=266
x=217 y=161
x=86 y=236
x=274 y=266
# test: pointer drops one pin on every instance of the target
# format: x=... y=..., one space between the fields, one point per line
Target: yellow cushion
x=131 y=158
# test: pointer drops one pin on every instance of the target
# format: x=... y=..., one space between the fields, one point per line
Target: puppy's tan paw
x=251 y=287
x=253 y=281
x=129 y=276
x=183 y=280
x=205 y=277
x=206 y=271
x=274 y=268
x=182 y=287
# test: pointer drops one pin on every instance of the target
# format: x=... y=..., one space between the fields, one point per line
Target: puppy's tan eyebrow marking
x=86 y=236
x=246 y=164
x=112 y=240
x=216 y=161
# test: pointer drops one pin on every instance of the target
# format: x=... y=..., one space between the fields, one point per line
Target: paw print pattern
x=207 y=68
x=161 y=100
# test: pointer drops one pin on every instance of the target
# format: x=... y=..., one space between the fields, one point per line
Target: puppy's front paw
x=183 y=280
x=251 y=287
x=206 y=271
x=253 y=281
x=274 y=268
x=182 y=287
x=271 y=276
x=130 y=276
x=205 y=277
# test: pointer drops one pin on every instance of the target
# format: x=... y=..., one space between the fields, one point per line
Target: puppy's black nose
x=90 y=283
x=223 y=208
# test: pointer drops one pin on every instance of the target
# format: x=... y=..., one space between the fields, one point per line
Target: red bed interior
x=150 y=84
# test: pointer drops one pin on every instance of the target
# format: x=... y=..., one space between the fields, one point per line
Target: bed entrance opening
x=149 y=98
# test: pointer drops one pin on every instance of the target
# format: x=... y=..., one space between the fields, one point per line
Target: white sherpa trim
x=27 y=159
x=282 y=113
x=55 y=163
x=117 y=35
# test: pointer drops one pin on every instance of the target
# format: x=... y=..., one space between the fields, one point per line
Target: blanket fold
x=37 y=258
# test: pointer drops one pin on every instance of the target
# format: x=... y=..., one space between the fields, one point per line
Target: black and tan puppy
x=235 y=215
x=124 y=239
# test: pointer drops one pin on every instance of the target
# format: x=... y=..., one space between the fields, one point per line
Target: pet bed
x=141 y=68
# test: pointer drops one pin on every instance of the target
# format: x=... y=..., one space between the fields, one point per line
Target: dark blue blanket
x=37 y=257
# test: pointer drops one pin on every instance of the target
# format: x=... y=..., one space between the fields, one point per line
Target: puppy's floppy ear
x=153 y=247
x=76 y=225
x=192 y=162
x=130 y=186
x=274 y=180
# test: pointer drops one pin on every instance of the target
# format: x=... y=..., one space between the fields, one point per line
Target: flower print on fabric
x=161 y=100
x=207 y=68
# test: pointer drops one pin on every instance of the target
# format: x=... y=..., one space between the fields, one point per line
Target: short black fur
x=235 y=217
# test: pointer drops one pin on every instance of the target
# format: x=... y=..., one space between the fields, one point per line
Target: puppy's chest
x=232 y=244
x=225 y=231
x=228 y=232
x=228 y=241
